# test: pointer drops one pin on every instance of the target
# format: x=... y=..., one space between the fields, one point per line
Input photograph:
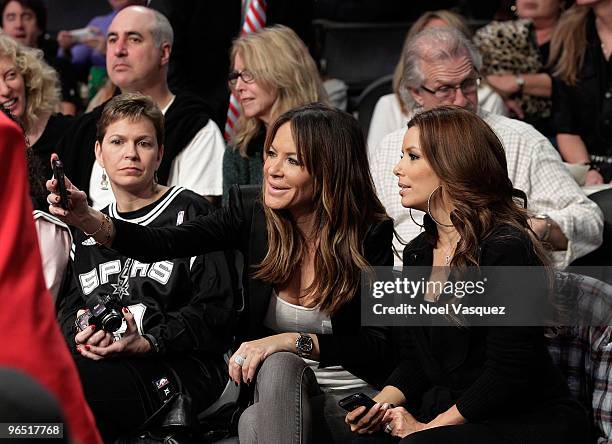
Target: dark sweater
x=487 y=372
x=241 y=225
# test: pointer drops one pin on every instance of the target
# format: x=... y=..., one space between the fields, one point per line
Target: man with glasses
x=139 y=43
x=441 y=68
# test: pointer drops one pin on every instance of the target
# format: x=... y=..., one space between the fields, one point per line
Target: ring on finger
x=388 y=428
x=239 y=360
x=49 y=200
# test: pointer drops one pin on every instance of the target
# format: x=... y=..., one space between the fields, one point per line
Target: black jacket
x=242 y=226
x=185 y=304
x=487 y=371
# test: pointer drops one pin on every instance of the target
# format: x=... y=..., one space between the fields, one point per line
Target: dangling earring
x=415 y=222
x=104 y=181
x=429 y=208
x=514 y=10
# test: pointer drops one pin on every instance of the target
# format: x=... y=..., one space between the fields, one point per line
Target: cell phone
x=82 y=321
x=355 y=400
x=82 y=34
x=58 y=173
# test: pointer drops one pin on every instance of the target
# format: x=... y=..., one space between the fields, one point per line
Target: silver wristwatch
x=303 y=345
x=546 y=234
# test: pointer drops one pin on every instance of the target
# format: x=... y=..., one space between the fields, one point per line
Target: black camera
x=104 y=311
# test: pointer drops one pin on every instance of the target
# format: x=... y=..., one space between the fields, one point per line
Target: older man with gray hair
x=139 y=42
x=442 y=68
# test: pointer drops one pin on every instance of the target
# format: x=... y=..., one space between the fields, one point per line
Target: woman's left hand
x=401 y=422
x=253 y=353
x=504 y=84
x=131 y=343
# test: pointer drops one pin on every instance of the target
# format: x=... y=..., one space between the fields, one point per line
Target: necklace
x=450 y=251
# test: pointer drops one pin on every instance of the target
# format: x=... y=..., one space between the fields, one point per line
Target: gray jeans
x=289 y=406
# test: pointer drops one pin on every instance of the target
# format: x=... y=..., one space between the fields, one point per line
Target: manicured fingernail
x=78 y=349
x=87 y=347
x=125 y=310
x=93 y=326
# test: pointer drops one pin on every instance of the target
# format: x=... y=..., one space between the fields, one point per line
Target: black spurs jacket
x=186 y=303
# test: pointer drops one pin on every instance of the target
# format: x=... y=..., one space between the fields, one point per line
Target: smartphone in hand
x=355 y=400
x=58 y=174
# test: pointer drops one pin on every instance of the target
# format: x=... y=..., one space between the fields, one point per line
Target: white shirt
x=283 y=316
x=198 y=167
x=54 y=241
x=388 y=115
x=533 y=167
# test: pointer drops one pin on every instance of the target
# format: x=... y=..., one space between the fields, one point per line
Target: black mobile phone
x=58 y=173
x=355 y=400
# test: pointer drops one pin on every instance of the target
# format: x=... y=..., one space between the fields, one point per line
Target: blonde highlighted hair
x=568 y=44
x=42 y=90
x=331 y=146
x=280 y=62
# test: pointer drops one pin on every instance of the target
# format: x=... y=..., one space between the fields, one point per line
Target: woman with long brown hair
x=307 y=236
x=580 y=50
x=464 y=383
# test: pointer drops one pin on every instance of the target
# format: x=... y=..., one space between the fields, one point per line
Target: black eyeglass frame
x=246 y=76
x=461 y=86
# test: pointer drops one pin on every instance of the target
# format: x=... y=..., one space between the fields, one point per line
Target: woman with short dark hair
x=177 y=312
x=307 y=237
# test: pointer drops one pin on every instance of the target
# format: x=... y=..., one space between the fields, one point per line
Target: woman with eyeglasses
x=272 y=72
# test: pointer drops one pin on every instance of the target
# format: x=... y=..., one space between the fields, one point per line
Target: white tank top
x=283 y=317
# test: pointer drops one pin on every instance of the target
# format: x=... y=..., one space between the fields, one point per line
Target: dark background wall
x=70 y=14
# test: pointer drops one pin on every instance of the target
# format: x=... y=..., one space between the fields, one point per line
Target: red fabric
x=30 y=336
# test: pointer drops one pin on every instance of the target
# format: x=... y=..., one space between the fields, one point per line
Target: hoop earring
x=104 y=181
x=415 y=222
x=429 y=208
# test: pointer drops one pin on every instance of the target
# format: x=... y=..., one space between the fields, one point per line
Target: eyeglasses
x=246 y=76
x=448 y=92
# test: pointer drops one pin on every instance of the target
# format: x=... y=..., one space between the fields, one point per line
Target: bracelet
x=152 y=342
x=106 y=221
x=593 y=166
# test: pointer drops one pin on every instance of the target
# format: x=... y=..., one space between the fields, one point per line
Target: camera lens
x=111 y=322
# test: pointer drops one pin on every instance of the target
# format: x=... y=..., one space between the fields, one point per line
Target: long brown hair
x=331 y=146
x=568 y=44
x=470 y=161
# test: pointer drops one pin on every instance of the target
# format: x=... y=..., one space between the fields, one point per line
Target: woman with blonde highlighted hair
x=307 y=235
x=30 y=92
x=272 y=72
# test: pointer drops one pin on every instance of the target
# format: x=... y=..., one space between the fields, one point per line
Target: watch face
x=304 y=344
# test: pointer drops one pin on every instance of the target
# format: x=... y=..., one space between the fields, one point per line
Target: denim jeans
x=290 y=407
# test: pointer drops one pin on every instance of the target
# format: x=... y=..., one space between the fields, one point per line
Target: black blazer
x=486 y=371
x=242 y=226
